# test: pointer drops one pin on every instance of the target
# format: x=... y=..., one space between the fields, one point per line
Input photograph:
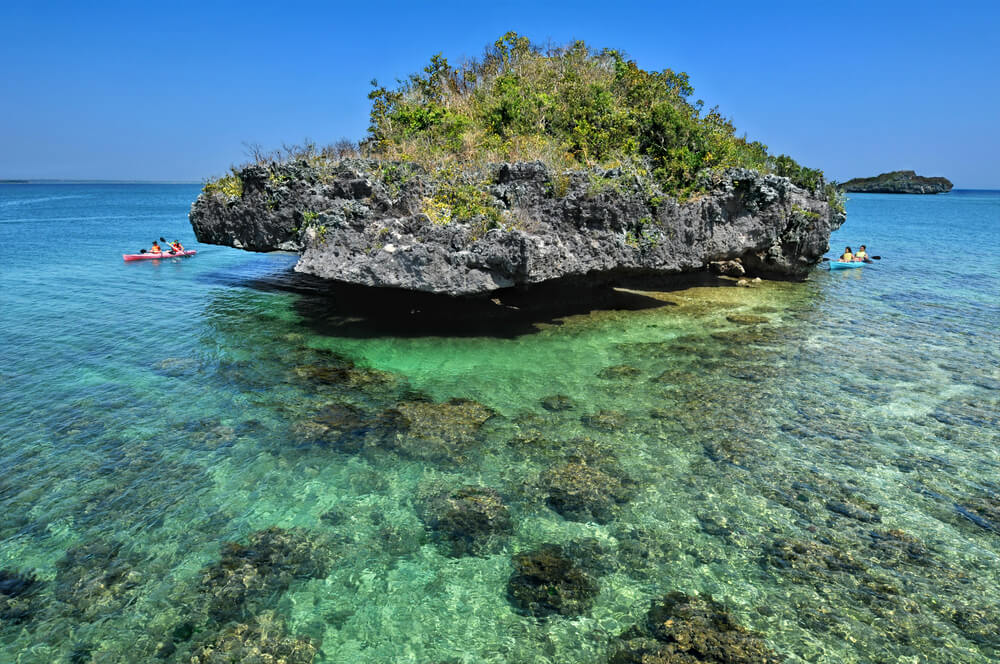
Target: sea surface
x=206 y=458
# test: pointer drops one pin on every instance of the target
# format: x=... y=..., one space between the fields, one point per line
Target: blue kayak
x=838 y=265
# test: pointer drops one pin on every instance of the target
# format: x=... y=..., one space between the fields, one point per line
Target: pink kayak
x=162 y=254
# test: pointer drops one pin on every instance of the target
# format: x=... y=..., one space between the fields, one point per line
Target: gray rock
x=363 y=222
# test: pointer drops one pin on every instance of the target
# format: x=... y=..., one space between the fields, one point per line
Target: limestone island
x=525 y=167
x=898 y=182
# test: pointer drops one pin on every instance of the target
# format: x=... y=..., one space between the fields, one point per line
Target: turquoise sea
x=207 y=460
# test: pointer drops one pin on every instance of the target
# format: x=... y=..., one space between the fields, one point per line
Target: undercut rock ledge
x=363 y=222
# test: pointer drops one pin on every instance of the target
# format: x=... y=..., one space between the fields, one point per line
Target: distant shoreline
x=68 y=181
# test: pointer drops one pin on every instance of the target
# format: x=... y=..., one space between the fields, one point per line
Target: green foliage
x=570 y=107
x=457 y=200
x=230 y=185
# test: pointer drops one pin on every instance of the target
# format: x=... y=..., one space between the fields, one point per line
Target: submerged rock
x=18 y=599
x=468 y=521
x=681 y=629
x=582 y=492
x=351 y=225
x=438 y=431
x=605 y=420
x=619 y=372
x=97 y=578
x=268 y=563
x=545 y=582
x=557 y=403
x=262 y=640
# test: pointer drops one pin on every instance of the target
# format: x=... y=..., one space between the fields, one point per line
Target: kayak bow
x=840 y=265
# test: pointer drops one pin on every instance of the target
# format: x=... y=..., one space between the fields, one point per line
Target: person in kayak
x=155 y=249
x=847 y=257
x=176 y=246
x=862 y=255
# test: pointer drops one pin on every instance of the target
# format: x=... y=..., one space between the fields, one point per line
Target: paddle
x=171 y=252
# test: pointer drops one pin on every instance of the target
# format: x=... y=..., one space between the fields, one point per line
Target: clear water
x=825 y=466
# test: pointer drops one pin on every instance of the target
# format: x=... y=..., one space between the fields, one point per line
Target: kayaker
x=847 y=257
x=862 y=255
x=155 y=249
x=176 y=246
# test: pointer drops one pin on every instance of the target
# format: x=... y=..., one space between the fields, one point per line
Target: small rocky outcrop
x=681 y=629
x=468 y=521
x=898 y=182
x=371 y=223
x=546 y=582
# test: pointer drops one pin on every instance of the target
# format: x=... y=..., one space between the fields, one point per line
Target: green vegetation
x=570 y=107
x=230 y=185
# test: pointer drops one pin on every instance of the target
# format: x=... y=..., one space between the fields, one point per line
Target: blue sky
x=174 y=90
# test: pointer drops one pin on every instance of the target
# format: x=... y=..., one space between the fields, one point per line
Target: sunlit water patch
x=196 y=466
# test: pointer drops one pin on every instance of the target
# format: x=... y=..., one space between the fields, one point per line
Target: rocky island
x=898 y=182
x=529 y=167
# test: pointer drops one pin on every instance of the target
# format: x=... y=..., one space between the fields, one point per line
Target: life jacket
x=155 y=249
x=176 y=246
x=861 y=255
x=847 y=257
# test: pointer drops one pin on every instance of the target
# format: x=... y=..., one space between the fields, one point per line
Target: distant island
x=898 y=182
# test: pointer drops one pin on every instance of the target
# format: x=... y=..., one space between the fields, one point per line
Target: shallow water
x=820 y=457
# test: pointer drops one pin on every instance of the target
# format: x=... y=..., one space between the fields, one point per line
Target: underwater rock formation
x=262 y=640
x=17 y=596
x=582 y=492
x=469 y=520
x=680 y=629
x=96 y=578
x=545 y=582
x=437 y=431
x=354 y=224
x=557 y=403
x=268 y=563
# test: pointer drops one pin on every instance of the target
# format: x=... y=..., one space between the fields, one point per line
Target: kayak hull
x=162 y=254
x=838 y=265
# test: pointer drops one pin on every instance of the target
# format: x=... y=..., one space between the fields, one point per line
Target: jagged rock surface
x=362 y=222
x=898 y=182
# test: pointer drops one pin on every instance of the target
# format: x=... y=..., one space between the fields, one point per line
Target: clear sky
x=173 y=90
